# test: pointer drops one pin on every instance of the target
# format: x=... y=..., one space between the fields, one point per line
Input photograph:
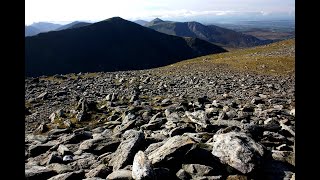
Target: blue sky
x=179 y=10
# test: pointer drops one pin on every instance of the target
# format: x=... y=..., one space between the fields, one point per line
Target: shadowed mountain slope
x=110 y=45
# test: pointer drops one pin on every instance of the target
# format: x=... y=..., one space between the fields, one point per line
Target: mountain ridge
x=74 y=24
x=109 y=45
x=211 y=33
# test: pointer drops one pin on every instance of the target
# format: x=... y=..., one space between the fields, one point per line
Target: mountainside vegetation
x=271 y=59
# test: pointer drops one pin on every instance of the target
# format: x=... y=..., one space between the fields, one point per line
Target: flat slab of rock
x=101 y=171
x=237 y=150
x=39 y=172
x=59 y=168
x=120 y=174
x=70 y=175
x=196 y=170
x=35 y=150
x=127 y=149
x=174 y=146
x=99 y=145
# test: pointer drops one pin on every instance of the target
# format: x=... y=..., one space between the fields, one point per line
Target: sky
x=65 y=11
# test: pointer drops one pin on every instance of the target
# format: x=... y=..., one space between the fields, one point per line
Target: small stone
x=198 y=117
x=81 y=116
x=43 y=96
x=283 y=147
x=63 y=150
x=67 y=158
x=215 y=103
x=42 y=128
x=183 y=175
x=293 y=112
x=257 y=101
x=52 y=117
x=263 y=96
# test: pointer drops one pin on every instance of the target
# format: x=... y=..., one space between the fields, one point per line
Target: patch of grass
x=27 y=104
x=89 y=75
x=52 y=79
x=275 y=59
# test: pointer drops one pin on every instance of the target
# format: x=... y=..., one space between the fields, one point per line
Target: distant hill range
x=40 y=27
x=110 y=45
x=31 y=31
x=217 y=35
x=75 y=24
x=141 y=22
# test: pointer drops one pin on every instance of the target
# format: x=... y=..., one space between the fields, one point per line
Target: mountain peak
x=116 y=18
x=156 y=20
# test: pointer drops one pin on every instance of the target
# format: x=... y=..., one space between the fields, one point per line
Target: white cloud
x=263 y=13
x=71 y=10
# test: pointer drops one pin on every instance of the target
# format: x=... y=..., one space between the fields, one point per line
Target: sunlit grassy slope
x=276 y=59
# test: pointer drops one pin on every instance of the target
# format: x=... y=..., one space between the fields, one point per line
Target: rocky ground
x=168 y=123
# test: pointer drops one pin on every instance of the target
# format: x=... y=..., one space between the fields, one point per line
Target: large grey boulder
x=141 y=168
x=127 y=149
x=237 y=150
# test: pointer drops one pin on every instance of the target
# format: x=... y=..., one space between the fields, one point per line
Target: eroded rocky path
x=160 y=124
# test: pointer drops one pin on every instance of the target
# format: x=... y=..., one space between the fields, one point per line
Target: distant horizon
x=203 y=11
x=225 y=21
